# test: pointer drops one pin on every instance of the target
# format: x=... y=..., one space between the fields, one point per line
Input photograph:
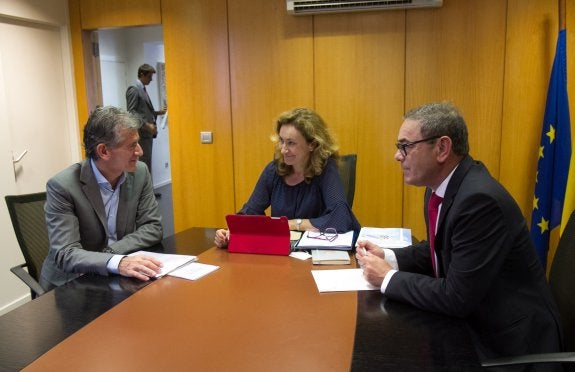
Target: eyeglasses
x=402 y=147
x=329 y=234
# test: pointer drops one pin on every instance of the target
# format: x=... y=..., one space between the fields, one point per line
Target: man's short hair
x=145 y=69
x=442 y=119
x=104 y=126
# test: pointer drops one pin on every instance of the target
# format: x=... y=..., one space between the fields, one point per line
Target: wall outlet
x=206 y=137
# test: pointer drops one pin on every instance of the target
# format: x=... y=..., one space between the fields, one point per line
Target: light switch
x=206 y=137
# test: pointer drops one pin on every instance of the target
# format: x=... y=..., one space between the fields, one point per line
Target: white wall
x=125 y=49
x=37 y=113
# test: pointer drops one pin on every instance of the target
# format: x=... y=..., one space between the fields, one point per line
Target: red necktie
x=432 y=209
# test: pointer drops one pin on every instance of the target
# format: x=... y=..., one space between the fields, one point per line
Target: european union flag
x=554 y=155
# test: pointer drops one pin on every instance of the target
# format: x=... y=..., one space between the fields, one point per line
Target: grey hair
x=105 y=125
x=442 y=119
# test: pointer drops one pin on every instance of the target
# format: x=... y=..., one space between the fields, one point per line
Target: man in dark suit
x=103 y=207
x=138 y=103
x=483 y=266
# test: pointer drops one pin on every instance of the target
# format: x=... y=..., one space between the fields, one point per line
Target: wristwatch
x=297 y=223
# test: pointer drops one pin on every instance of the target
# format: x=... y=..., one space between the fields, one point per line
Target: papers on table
x=341 y=280
x=386 y=237
x=170 y=261
x=193 y=271
x=179 y=265
x=343 y=241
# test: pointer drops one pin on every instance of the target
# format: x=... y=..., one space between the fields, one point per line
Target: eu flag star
x=551 y=133
x=544 y=225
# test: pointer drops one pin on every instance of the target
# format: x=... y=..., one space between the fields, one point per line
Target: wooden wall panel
x=271 y=59
x=198 y=90
x=76 y=37
x=360 y=71
x=532 y=30
x=457 y=53
x=114 y=13
x=359 y=82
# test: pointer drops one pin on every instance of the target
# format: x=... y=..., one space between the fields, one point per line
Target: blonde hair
x=313 y=129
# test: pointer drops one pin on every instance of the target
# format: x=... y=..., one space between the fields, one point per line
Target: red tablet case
x=258 y=234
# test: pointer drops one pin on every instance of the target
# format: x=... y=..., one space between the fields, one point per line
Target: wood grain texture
x=112 y=13
x=198 y=90
x=271 y=71
x=359 y=80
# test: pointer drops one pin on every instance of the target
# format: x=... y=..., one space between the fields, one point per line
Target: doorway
x=121 y=52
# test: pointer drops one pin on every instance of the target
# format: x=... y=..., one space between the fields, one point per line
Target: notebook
x=258 y=234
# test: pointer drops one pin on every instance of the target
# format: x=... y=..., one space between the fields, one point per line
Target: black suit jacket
x=489 y=272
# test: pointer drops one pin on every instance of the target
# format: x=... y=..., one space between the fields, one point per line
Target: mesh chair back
x=561 y=280
x=27 y=215
x=347 y=174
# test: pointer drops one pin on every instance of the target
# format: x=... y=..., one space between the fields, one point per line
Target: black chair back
x=27 y=215
x=562 y=279
x=347 y=164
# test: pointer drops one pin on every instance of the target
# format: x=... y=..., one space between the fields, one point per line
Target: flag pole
x=562 y=21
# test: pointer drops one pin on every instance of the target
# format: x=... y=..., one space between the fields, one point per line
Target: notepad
x=329 y=257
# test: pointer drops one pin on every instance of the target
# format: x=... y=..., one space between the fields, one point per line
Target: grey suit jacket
x=489 y=272
x=139 y=104
x=77 y=227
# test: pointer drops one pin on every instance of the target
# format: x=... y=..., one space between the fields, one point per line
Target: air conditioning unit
x=304 y=7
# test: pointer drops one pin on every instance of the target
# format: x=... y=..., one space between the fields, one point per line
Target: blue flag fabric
x=554 y=156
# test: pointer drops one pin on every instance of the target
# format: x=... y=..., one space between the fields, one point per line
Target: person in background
x=103 y=207
x=483 y=266
x=138 y=103
x=302 y=182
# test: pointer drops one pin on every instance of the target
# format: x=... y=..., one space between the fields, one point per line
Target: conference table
x=254 y=313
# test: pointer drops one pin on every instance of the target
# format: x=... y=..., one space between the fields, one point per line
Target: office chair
x=27 y=215
x=347 y=174
x=561 y=279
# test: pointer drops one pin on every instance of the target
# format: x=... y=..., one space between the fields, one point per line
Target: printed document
x=392 y=237
x=170 y=261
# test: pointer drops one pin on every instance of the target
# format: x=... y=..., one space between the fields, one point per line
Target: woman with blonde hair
x=302 y=182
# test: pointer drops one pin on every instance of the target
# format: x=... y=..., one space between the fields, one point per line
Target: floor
x=164 y=196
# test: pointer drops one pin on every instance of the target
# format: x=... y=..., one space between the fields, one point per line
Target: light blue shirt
x=111 y=199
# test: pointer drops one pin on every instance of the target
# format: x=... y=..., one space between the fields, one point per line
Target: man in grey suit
x=482 y=265
x=138 y=103
x=103 y=207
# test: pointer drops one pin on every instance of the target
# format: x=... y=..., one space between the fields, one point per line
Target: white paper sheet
x=341 y=280
x=194 y=271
